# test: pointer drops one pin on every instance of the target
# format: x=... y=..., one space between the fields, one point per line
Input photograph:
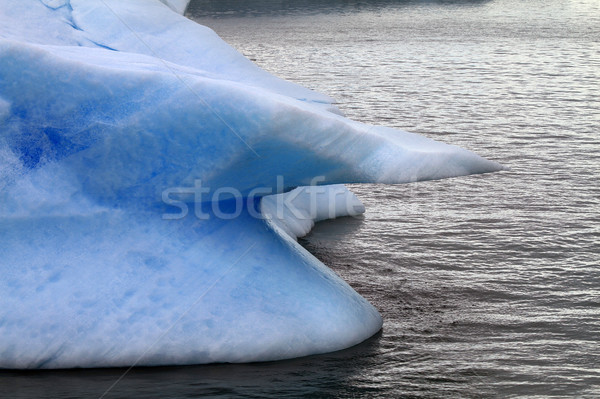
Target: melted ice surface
x=114 y=116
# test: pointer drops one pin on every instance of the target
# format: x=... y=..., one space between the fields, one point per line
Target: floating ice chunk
x=105 y=106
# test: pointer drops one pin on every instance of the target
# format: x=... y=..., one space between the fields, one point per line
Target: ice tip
x=494 y=166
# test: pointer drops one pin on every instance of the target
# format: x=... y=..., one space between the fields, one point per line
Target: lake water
x=489 y=285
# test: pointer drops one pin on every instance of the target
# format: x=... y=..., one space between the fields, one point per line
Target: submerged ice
x=114 y=115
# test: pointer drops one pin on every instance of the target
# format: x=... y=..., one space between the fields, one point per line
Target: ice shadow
x=327 y=375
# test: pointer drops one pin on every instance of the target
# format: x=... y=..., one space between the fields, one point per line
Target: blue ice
x=148 y=200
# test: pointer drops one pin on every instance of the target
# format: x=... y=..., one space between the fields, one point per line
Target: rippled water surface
x=489 y=285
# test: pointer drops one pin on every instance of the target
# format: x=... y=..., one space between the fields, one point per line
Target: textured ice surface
x=120 y=117
x=296 y=211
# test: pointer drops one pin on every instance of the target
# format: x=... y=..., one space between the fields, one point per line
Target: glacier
x=153 y=182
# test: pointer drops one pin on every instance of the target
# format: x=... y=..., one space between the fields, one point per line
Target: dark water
x=489 y=285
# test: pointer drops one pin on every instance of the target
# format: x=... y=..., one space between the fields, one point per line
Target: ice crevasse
x=138 y=155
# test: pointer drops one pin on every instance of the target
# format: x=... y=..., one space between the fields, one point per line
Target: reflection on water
x=248 y=8
x=325 y=375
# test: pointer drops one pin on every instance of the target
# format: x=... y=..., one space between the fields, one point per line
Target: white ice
x=119 y=117
x=294 y=213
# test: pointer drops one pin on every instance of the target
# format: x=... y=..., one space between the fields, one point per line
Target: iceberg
x=153 y=182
